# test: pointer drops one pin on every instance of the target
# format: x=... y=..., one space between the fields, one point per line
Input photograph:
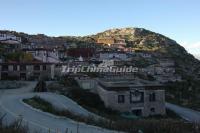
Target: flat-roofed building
x=26 y=71
x=139 y=98
x=45 y=55
x=107 y=55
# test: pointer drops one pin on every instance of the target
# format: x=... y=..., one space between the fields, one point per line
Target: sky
x=177 y=19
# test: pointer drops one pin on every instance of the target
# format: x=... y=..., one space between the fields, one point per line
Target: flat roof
x=124 y=85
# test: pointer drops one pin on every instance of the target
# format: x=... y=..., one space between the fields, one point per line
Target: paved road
x=187 y=114
x=12 y=105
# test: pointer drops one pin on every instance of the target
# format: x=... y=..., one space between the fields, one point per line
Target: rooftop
x=126 y=84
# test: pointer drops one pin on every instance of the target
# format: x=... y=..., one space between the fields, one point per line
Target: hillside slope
x=161 y=46
x=138 y=38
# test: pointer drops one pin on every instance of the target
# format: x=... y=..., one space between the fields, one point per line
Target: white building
x=44 y=55
x=112 y=55
x=9 y=38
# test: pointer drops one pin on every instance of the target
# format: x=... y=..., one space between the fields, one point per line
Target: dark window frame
x=152 y=97
x=137 y=91
x=44 y=67
x=15 y=67
x=153 y=110
x=22 y=67
x=4 y=67
x=121 y=99
x=36 y=67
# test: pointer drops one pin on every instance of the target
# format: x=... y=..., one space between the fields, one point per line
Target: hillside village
x=142 y=93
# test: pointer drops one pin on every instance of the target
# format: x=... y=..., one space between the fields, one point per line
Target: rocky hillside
x=136 y=36
x=162 y=46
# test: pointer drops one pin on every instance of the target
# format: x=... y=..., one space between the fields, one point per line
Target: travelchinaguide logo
x=92 y=69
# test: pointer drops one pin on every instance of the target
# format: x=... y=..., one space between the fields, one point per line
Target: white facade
x=107 y=63
x=9 y=38
x=112 y=55
x=47 y=56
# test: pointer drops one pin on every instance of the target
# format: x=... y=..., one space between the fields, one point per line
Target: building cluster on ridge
x=140 y=93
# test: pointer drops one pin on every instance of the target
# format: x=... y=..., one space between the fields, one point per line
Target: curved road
x=186 y=113
x=11 y=104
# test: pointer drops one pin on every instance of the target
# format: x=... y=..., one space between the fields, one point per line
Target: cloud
x=197 y=56
x=193 y=48
x=192 y=45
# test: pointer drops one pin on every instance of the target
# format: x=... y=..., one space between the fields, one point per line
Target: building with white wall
x=107 y=55
x=9 y=38
x=44 y=55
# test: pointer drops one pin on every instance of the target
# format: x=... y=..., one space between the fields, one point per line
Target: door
x=22 y=76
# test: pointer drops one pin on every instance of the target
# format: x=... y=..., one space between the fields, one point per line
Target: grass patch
x=15 y=127
x=185 y=93
x=88 y=100
x=39 y=103
x=45 y=106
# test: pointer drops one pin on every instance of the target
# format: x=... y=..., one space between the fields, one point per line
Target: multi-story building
x=138 y=98
x=26 y=71
x=112 y=42
x=119 y=43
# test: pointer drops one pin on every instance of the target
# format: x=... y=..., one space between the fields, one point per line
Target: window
x=23 y=76
x=36 y=67
x=4 y=76
x=121 y=99
x=23 y=67
x=152 y=97
x=14 y=67
x=136 y=96
x=44 y=67
x=5 y=68
x=152 y=110
x=36 y=75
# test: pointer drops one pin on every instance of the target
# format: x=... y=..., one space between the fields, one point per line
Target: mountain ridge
x=136 y=38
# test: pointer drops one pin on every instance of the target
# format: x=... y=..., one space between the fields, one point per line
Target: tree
x=41 y=87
